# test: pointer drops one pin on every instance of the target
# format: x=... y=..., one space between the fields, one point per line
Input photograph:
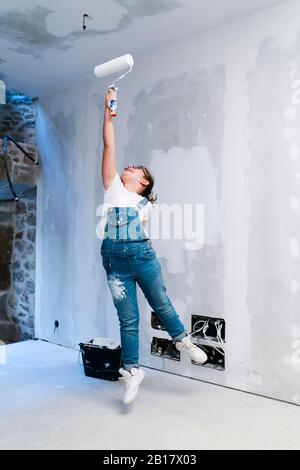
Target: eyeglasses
x=140 y=167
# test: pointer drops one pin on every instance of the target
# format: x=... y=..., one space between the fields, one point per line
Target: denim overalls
x=123 y=224
x=129 y=258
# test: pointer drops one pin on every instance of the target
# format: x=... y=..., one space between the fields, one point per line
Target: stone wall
x=10 y=331
x=20 y=300
x=18 y=120
x=21 y=169
x=18 y=225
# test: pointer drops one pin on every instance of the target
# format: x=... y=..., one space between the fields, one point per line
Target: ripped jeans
x=128 y=263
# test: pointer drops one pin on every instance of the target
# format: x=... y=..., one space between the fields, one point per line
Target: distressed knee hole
x=117 y=287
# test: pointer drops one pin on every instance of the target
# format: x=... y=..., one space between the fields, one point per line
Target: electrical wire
x=200 y=329
x=220 y=340
x=204 y=328
x=209 y=341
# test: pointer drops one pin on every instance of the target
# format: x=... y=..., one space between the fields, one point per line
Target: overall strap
x=143 y=202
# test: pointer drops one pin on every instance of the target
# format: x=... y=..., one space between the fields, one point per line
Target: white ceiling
x=46 y=47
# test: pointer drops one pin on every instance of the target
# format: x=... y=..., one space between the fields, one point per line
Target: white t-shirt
x=117 y=195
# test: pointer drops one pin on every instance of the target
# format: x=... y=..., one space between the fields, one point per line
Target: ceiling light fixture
x=84 y=18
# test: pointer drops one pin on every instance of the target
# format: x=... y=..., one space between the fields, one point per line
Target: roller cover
x=113 y=66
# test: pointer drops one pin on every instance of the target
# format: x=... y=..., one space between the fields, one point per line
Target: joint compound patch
x=117 y=287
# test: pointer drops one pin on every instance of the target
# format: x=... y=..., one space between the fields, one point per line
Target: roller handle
x=113 y=104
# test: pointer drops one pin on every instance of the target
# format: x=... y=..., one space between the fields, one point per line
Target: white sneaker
x=132 y=381
x=196 y=354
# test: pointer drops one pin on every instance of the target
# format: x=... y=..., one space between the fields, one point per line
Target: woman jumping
x=129 y=259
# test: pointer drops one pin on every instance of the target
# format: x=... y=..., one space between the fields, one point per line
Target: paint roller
x=113 y=66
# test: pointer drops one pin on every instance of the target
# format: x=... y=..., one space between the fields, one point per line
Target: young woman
x=129 y=258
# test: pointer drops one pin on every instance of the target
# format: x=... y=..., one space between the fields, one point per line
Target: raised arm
x=109 y=166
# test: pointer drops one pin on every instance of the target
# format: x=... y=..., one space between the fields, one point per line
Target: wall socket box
x=164 y=348
x=198 y=321
x=215 y=359
x=156 y=323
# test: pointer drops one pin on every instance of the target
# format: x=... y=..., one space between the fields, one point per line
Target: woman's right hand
x=110 y=95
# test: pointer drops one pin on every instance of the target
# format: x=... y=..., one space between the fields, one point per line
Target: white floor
x=48 y=403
